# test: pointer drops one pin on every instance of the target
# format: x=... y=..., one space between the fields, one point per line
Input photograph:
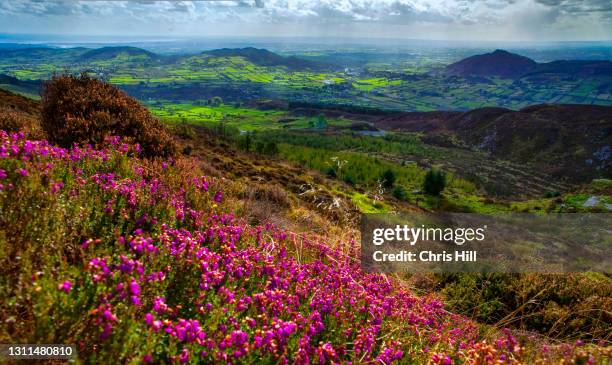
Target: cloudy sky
x=523 y=20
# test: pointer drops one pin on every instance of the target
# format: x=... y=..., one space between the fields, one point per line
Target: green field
x=242 y=118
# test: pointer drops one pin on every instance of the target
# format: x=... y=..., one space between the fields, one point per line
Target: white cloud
x=451 y=19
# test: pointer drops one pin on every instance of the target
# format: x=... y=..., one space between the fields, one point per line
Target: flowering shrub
x=141 y=261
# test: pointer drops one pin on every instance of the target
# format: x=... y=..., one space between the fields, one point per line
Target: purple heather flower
x=65 y=286
x=55 y=187
x=184 y=358
x=218 y=197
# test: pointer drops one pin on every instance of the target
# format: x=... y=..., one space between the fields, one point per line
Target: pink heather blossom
x=149 y=319
x=55 y=187
x=184 y=358
x=134 y=287
x=65 y=286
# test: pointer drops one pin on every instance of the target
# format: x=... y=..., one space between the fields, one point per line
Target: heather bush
x=81 y=109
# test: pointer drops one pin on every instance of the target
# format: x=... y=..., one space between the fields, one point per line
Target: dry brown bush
x=264 y=203
x=81 y=109
x=270 y=193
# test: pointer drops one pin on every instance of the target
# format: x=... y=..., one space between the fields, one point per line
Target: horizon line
x=82 y=38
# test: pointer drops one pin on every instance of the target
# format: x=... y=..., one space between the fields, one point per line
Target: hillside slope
x=19 y=113
x=136 y=260
x=568 y=141
x=25 y=106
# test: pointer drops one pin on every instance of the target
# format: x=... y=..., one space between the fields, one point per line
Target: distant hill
x=498 y=63
x=577 y=68
x=11 y=80
x=106 y=53
x=25 y=87
x=263 y=57
x=565 y=140
x=510 y=65
x=28 y=53
x=71 y=54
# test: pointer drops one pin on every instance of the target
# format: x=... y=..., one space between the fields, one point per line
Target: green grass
x=243 y=118
x=366 y=205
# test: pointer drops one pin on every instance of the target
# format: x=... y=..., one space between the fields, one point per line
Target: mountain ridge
x=263 y=57
x=112 y=52
x=511 y=65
